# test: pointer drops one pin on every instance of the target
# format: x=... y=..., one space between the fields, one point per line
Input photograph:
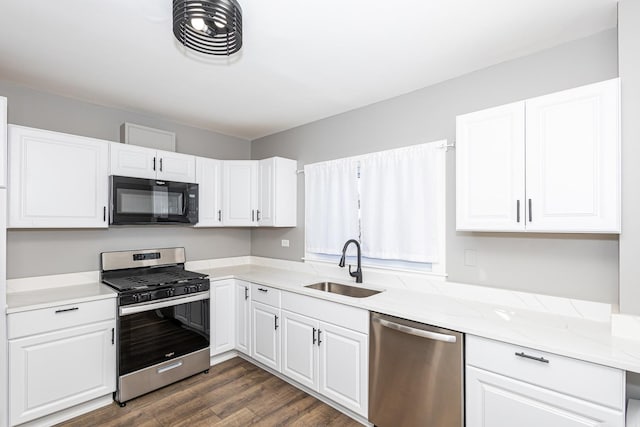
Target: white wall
x=582 y=266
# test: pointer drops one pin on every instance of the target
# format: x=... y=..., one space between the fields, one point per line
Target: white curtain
x=399 y=195
x=331 y=205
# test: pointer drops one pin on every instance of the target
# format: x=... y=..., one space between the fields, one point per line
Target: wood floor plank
x=241 y=418
x=203 y=418
x=233 y=393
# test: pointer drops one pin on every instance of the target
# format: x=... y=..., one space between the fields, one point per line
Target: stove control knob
x=135 y=297
x=170 y=292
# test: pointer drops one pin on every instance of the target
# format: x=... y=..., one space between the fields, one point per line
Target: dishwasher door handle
x=414 y=331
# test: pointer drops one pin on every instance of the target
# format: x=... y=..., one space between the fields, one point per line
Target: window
x=392 y=202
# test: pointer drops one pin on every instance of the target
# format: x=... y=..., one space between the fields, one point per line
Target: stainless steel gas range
x=163 y=319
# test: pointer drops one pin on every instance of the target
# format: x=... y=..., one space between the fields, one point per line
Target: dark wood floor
x=233 y=393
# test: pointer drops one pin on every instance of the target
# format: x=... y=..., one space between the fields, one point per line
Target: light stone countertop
x=568 y=336
x=46 y=298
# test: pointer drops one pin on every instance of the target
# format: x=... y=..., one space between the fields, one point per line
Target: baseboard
x=219 y=358
x=69 y=413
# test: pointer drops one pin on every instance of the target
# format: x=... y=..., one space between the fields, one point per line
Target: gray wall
x=629 y=44
x=581 y=266
x=41 y=252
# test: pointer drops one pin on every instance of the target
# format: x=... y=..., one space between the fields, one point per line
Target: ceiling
x=301 y=60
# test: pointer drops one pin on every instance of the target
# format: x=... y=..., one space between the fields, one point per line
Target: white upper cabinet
x=259 y=192
x=133 y=161
x=209 y=180
x=277 y=192
x=547 y=164
x=490 y=169
x=239 y=194
x=573 y=160
x=3 y=142
x=56 y=180
x=141 y=162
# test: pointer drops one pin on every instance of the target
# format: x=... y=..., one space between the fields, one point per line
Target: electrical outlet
x=470 y=257
x=285 y=243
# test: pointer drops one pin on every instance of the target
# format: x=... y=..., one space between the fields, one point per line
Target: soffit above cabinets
x=301 y=60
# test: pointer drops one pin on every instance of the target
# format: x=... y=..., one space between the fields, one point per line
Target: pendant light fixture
x=211 y=27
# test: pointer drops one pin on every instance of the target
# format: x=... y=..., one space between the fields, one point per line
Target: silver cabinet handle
x=65 y=310
x=319 y=340
x=161 y=164
x=263 y=290
x=219 y=215
x=275 y=319
x=258 y=215
x=154 y=163
x=313 y=336
x=104 y=213
x=170 y=367
x=253 y=215
x=530 y=214
x=414 y=331
x=537 y=359
x=246 y=293
x=517 y=210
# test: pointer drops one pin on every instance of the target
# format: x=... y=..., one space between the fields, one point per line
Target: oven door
x=150 y=201
x=155 y=332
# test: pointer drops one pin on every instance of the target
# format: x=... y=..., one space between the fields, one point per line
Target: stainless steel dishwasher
x=415 y=374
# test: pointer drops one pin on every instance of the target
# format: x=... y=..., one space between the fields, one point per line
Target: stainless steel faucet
x=358 y=273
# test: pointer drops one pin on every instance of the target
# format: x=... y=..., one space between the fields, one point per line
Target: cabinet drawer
x=265 y=294
x=59 y=317
x=585 y=380
x=348 y=317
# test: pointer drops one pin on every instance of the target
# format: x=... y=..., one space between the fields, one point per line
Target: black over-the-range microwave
x=152 y=201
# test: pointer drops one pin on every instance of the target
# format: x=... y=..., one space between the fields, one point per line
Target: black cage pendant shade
x=211 y=27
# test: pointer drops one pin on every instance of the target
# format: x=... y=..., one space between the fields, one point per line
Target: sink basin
x=337 y=288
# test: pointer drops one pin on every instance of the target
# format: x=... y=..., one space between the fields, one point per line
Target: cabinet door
x=222 y=316
x=133 y=161
x=176 y=167
x=573 y=160
x=209 y=180
x=266 y=192
x=57 y=370
x=3 y=142
x=344 y=367
x=239 y=184
x=57 y=180
x=494 y=400
x=243 y=317
x=490 y=169
x=299 y=349
x=266 y=335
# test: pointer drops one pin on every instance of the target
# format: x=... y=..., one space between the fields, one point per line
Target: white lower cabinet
x=328 y=350
x=222 y=303
x=243 y=317
x=58 y=369
x=300 y=349
x=508 y=385
x=344 y=367
x=265 y=347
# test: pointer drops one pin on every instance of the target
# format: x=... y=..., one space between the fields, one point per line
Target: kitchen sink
x=347 y=290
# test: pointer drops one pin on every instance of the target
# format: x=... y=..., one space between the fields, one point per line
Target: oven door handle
x=132 y=309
